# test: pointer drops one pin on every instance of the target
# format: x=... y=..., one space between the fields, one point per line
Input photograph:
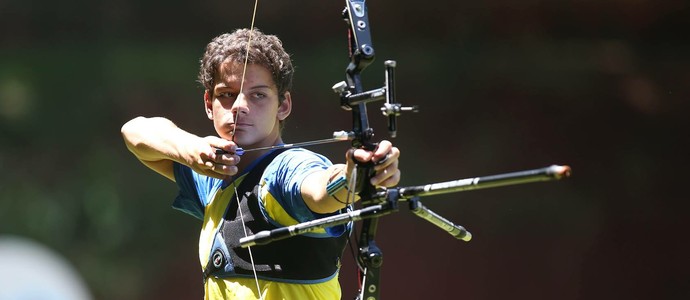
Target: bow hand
x=384 y=162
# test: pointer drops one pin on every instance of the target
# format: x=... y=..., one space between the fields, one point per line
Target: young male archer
x=247 y=104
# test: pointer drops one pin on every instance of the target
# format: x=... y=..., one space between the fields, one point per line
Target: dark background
x=602 y=86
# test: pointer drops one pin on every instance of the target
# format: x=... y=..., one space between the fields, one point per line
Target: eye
x=258 y=95
x=226 y=95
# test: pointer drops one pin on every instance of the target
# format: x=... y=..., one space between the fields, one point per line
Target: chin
x=243 y=141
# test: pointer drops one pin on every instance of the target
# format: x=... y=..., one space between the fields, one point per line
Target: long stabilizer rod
x=553 y=172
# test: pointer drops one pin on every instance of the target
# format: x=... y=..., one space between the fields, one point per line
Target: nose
x=241 y=105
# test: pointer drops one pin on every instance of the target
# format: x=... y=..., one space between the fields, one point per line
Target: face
x=254 y=113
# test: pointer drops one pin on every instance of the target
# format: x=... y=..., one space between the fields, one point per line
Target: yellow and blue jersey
x=280 y=201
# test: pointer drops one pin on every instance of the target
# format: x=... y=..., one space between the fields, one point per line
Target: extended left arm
x=313 y=189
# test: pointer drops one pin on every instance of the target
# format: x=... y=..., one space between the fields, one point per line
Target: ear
x=285 y=107
x=208 y=105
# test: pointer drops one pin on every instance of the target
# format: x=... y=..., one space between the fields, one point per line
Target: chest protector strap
x=299 y=259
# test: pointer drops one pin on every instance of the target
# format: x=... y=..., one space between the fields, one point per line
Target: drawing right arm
x=157 y=142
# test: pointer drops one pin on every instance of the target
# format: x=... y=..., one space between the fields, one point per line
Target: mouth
x=240 y=125
x=234 y=127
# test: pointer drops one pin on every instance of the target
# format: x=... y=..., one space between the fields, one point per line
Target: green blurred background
x=602 y=86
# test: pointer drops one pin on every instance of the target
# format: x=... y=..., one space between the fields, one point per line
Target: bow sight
x=376 y=203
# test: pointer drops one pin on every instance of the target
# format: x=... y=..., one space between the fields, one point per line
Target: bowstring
x=237 y=114
x=351 y=194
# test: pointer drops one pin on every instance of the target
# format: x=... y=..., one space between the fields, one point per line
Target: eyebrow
x=263 y=86
x=222 y=85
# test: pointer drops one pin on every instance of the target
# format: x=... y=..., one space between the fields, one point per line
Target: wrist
x=336 y=185
x=337 y=180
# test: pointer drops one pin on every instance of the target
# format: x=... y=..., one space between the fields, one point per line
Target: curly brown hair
x=265 y=50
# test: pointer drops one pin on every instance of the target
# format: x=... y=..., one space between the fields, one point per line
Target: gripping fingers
x=388 y=159
x=220 y=164
x=388 y=177
x=386 y=165
x=224 y=163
